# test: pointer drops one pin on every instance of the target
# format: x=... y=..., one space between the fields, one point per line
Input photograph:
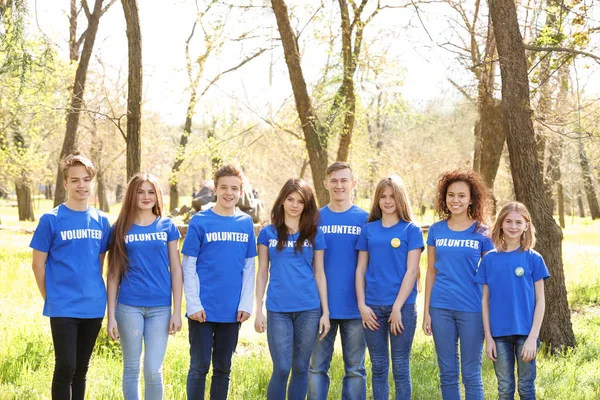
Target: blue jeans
x=152 y=325
x=449 y=328
x=353 y=349
x=211 y=339
x=291 y=337
x=379 y=350
x=508 y=349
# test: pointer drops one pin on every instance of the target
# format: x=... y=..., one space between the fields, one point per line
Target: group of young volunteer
x=339 y=268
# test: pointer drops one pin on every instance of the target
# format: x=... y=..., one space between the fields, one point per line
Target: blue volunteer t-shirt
x=341 y=230
x=292 y=285
x=387 y=264
x=457 y=255
x=510 y=276
x=147 y=282
x=74 y=241
x=221 y=245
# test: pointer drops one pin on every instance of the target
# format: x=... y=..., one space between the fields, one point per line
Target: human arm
x=429 y=281
x=368 y=316
x=39 y=270
x=408 y=283
x=191 y=287
x=530 y=346
x=176 y=286
x=319 y=271
x=112 y=289
x=245 y=306
x=260 y=322
x=490 y=343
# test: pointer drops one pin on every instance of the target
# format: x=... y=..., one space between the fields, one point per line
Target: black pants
x=74 y=340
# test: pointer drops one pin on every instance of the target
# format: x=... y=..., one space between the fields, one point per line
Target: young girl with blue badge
x=390 y=247
x=452 y=311
x=144 y=274
x=297 y=308
x=513 y=301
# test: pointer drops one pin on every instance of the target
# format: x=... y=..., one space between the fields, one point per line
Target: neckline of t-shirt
x=224 y=216
x=389 y=227
x=464 y=230
x=76 y=211
x=145 y=226
x=341 y=212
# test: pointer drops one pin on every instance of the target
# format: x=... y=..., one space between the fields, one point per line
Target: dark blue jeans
x=353 y=350
x=378 y=343
x=509 y=348
x=449 y=327
x=211 y=339
x=291 y=337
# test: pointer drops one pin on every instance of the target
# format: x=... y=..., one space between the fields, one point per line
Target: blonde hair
x=400 y=197
x=73 y=160
x=527 y=238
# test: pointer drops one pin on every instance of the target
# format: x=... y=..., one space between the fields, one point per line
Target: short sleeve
x=539 y=269
x=362 y=243
x=42 y=237
x=251 y=252
x=320 y=241
x=106 y=235
x=481 y=275
x=486 y=244
x=192 y=241
x=263 y=236
x=415 y=238
x=431 y=235
x=173 y=232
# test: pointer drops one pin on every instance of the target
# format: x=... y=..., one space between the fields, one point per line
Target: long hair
x=479 y=209
x=308 y=219
x=527 y=238
x=117 y=257
x=403 y=207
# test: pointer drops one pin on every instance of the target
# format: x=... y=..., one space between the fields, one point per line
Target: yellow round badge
x=395 y=242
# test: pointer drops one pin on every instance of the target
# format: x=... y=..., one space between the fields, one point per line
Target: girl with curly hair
x=452 y=313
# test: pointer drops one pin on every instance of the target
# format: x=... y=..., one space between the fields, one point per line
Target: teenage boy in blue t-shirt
x=341 y=222
x=68 y=253
x=218 y=275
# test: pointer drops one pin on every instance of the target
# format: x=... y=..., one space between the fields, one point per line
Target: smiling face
x=340 y=184
x=78 y=183
x=387 y=202
x=293 y=205
x=146 y=196
x=458 y=198
x=228 y=190
x=513 y=227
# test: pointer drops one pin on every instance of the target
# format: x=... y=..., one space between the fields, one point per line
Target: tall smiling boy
x=218 y=274
x=341 y=222
x=68 y=253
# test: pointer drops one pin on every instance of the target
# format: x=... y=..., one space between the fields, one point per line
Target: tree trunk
x=134 y=89
x=557 y=330
x=24 y=200
x=561 y=204
x=180 y=157
x=74 y=111
x=315 y=134
x=580 y=205
x=48 y=190
x=588 y=183
x=102 y=195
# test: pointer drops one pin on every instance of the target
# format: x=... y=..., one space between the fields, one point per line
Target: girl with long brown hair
x=390 y=247
x=291 y=251
x=144 y=274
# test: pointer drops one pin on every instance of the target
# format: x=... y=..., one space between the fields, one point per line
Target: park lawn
x=26 y=356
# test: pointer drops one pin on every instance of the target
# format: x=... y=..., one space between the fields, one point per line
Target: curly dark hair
x=480 y=206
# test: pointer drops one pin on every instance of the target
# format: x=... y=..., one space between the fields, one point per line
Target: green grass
x=26 y=355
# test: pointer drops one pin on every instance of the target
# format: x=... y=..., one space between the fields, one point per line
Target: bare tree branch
x=564 y=50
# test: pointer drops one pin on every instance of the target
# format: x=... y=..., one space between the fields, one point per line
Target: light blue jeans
x=379 y=343
x=449 y=328
x=291 y=337
x=353 y=350
x=152 y=325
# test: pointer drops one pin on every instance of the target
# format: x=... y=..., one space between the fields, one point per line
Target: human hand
x=490 y=349
x=395 y=321
x=242 y=316
x=112 y=329
x=175 y=324
x=529 y=349
x=427 y=324
x=260 y=322
x=324 y=326
x=199 y=316
x=369 y=318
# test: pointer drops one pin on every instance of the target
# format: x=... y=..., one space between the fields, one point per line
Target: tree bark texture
x=557 y=330
x=588 y=183
x=134 y=88
x=24 y=200
x=103 y=203
x=74 y=111
x=315 y=133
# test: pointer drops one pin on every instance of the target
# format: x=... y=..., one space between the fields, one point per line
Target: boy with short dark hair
x=341 y=222
x=218 y=270
x=68 y=245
